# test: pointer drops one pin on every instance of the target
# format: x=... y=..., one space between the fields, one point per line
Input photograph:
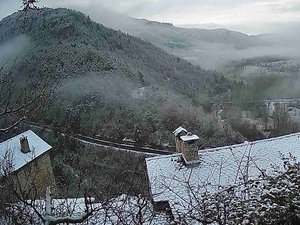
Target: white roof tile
x=37 y=146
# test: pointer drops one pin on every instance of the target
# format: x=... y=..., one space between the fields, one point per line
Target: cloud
x=13 y=48
x=250 y=16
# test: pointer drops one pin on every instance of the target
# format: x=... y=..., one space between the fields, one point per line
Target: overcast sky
x=249 y=16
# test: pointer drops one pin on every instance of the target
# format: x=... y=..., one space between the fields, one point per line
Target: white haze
x=208 y=54
x=12 y=49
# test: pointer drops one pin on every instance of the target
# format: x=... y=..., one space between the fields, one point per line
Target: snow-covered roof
x=188 y=137
x=179 y=130
x=171 y=181
x=11 y=149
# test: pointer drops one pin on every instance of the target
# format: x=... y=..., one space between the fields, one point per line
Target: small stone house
x=187 y=144
x=25 y=160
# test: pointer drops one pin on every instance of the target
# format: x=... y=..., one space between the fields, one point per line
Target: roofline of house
x=15 y=136
x=229 y=146
x=163 y=156
x=249 y=143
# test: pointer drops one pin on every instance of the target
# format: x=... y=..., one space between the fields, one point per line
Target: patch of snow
x=193 y=137
x=138 y=93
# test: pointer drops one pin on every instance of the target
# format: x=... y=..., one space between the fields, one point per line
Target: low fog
x=12 y=49
x=218 y=58
x=211 y=49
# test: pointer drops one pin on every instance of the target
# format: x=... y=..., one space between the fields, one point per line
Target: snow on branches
x=272 y=199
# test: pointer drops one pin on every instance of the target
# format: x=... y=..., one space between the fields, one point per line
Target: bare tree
x=269 y=199
x=25 y=206
x=22 y=100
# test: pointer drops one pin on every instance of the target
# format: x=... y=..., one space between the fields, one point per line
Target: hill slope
x=70 y=43
x=115 y=85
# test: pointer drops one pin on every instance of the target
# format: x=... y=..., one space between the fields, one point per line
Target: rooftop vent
x=24 y=145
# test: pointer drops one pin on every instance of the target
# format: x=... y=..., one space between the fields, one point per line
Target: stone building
x=25 y=161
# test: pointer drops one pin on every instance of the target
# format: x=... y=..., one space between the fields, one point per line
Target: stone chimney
x=189 y=148
x=180 y=131
x=24 y=145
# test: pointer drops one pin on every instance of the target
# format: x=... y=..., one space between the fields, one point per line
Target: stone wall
x=36 y=176
x=190 y=151
x=178 y=144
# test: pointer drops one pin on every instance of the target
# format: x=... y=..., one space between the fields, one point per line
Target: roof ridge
x=228 y=146
x=250 y=143
x=163 y=156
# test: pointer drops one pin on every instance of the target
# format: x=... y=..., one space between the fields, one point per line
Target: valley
x=131 y=109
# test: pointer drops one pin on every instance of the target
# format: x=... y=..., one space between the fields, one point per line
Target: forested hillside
x=112 y=84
